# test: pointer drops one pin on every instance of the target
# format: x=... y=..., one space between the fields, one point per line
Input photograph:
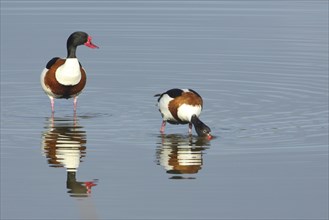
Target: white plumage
x=185 y=112
x=163 y=107
x=69 y=73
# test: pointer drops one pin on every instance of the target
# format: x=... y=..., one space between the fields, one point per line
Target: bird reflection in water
x=64 y=145
x=181 y=155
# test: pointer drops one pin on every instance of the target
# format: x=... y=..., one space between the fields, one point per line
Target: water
x=261 y=67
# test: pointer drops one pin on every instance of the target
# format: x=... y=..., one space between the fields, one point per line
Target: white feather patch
x=185 y=112
x=163 y=107
x=44 y=87
x=69 y=73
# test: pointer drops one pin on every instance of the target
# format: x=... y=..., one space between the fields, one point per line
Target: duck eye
x=204 y=131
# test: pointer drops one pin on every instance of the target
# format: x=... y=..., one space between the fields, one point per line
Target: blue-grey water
x=261 y=67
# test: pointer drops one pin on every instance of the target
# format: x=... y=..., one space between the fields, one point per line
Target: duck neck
x=71 y=52
x=198 y=125
x=196 y=121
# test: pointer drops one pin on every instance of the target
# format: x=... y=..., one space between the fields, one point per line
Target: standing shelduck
x=65 y=77
x=182 y=106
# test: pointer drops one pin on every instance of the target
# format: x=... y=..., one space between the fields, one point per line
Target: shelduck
x=65 y=77
x=182 y=106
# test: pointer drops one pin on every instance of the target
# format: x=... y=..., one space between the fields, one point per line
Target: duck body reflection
x=64 y=145
x=180 y=155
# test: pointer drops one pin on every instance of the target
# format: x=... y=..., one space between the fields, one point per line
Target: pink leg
x=190 y=128
x=163 y=125
x=75 y=103
x=52 y=103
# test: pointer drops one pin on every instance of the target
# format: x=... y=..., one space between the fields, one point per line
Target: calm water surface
x=261 y=67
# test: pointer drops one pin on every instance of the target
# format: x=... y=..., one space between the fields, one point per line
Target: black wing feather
x=195 y=92
x=173 y=93
x=51 y=62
